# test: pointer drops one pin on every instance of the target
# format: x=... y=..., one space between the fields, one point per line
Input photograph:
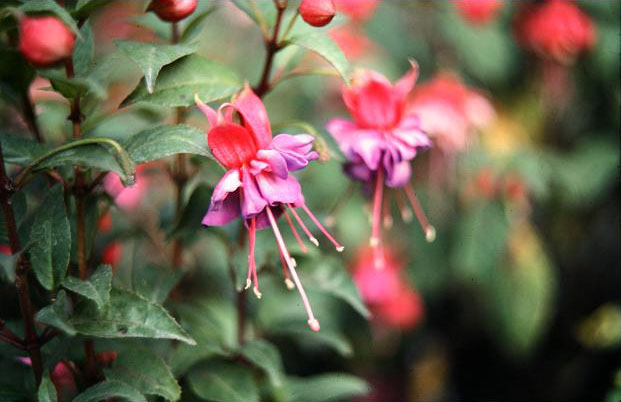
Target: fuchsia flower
x=357 y=10
x=127 y=198
x=449 y=111
x=386 y=292
x=382 y=139
x=258 y=186
x=62 y=377
x=555 y=29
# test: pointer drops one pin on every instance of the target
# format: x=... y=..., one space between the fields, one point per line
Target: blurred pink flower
x=386 y=292
x=449 y=111
x=258 y=186
x=6 y=250
x=127 y=198
x=555 y=29
x=382 y=140
x=62 y=378
x=357 y=10
x=478 y=11
x=352 y=40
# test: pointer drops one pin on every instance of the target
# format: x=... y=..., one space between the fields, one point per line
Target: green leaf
x=96 y=288
x=19 y=149
x=153 y=282
x=190 y=221
x=15 y=75
x=151 y=57
x=211 y=322
x=327 y=387
x=110 y=389
x=329 y=276
x=259 y=11
x=50 y=7
x=58 y=314
x=128 y=315
x=47 y=390
x=51 y=239
x=144 y=370
x=325 y=47
x=20 y=208
x=179 y=81
x=195 y=26
x=266 y=356
x=223 y=382
x=84 y=8
x=162 y=141
x=327 y=337
x=84 y=50
x=73 y=87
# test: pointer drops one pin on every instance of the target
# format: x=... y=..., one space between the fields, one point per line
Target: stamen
x=430 y=231
x=338 y=245
x=288 y=282
x=252 y=265
x=294 y=230
x=374 y=241
x=406 y=212
x=303 y=226
x=312 y=321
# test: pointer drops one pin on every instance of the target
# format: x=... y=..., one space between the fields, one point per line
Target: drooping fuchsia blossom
x=382 y=140
x=449 y=111
x=258 y=186
x=391 y=299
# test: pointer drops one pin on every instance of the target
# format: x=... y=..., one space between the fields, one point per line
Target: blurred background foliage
x=520 y=290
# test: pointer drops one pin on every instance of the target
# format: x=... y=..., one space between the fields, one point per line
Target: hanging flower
x=258 y=186
x=381 y=141
x=555 y=30
x=386 y=291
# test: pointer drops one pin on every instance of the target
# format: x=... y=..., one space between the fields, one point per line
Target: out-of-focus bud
x=45 y=41
x=172 y=10
x=317 y=12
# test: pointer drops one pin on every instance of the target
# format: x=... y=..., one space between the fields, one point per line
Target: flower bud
x=173 y=10
x=45 y=41
x=317 y=12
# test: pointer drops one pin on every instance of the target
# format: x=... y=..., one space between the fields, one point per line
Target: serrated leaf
x=159 y=142
x=128 y=315
x=326 y=387
x=265 y=355
x=50 y=7
x=51 y=239
x=84 y=50
x=58 y=314
x=151 y=57
x=96 y=288
x=47 y=390
x=223 y=382
x=110 y=389
x=329 y=277
x=179 y=81
x=325 y=47
x=146 y=372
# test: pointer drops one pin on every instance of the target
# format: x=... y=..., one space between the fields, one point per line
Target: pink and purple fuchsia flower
x=381 y=142
x=258 y=186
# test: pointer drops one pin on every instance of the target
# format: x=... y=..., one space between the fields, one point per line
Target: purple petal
x=227 y=184
x=222 y=212
x=295 y=149
x=276 y=190
x=397 y=174
x=252 y=201
x=276 y=162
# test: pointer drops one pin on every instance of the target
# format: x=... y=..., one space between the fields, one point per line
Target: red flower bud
x=317 y=12
x=173 y=10
x=45 y=41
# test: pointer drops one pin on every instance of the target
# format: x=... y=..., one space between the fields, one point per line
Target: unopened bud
x=172 y=10
x=45 y=41
x=317 y=12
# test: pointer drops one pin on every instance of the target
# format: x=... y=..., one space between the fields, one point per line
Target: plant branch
x=30 y=116
x=272 y=47
x=21 y=273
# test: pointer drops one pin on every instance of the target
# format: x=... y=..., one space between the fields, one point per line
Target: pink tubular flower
x=555 y=29
x=382 y=140
x=478 y=11
x=449 y=111
x=357 y=10
x=258 y=186
x=386 y=291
